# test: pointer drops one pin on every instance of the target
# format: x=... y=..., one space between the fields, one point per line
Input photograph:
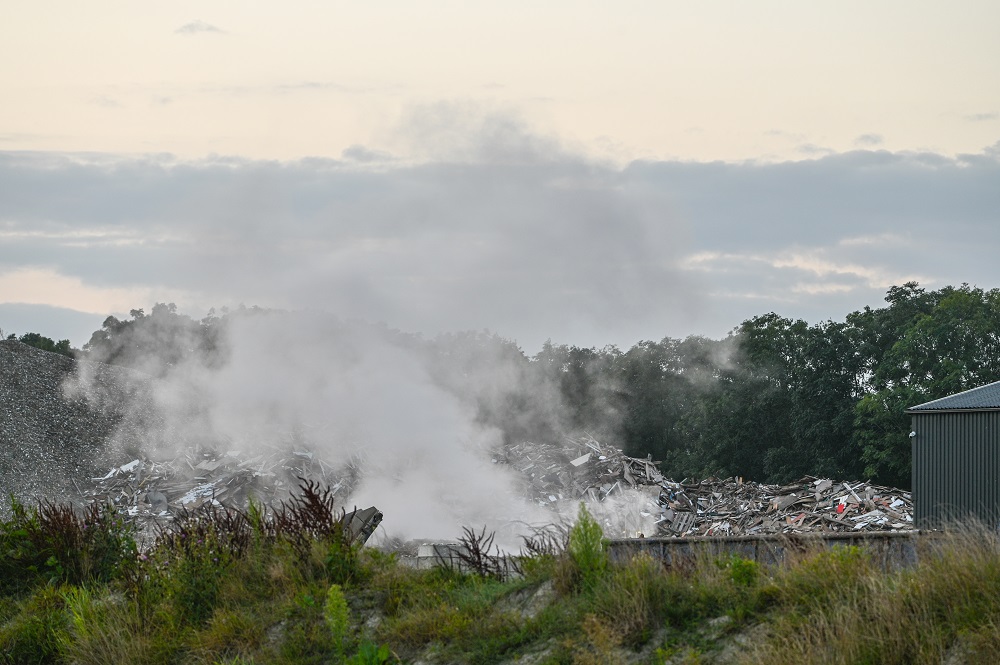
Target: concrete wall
x=889 y=549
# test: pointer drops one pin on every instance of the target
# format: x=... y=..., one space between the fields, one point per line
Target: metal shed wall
x=956 y=466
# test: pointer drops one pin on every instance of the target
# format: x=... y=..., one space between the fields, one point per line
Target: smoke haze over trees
x=775 y=400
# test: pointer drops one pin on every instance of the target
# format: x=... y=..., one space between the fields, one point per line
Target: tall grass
x=836 y=607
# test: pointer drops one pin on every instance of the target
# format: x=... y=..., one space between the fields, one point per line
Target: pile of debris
x=554 y=475
x=584 y=469
x=732 y=507
x=149 y=489
x=578 y=469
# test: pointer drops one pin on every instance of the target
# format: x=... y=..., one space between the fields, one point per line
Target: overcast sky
x=592 y=173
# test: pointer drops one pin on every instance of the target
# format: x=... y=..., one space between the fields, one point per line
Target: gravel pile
x=62 y=420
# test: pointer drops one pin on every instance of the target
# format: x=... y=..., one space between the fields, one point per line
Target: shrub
x=743 y=572
x=230 y=631
x=371 y=654
x=195 y=573
x=835 y=607
x=586 y=548
x=337 y=616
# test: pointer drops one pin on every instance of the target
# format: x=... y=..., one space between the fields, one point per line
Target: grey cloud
x=751 y=207
x=982 y=117
x=464 y=131
x=869 y=140
x=198 y=28
x=535 y=250
x=813 y=150
x=508 y=230
x=925 y=215
x=359 y=153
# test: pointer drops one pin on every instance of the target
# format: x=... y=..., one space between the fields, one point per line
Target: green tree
x=826 y=384
x=38 y=341
x=651 y=391
x=157 y=341
x=942 y=342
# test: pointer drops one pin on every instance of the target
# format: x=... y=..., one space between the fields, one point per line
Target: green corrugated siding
x=956 y=467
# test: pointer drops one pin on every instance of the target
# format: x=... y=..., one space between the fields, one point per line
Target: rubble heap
x=150 y=489
x=553 y=475
x=585 y=469
x=577 y=469
x=732 y=507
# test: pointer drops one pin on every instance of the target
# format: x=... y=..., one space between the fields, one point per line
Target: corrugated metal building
x=956 y=457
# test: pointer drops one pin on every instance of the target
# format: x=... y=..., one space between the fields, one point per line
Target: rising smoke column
x=348 y=392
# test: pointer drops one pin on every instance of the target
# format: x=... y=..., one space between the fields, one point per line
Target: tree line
x=62 y=347
x=780 y=398
x=775 y=400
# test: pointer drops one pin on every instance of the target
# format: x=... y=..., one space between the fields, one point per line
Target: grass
x=289 y=586
x=837 y=608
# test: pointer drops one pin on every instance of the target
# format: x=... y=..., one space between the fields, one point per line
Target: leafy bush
x=586 y=548
x=371 y=654
x=337 y=616
x=629 y=596
x=38 y=341
x=194 y=557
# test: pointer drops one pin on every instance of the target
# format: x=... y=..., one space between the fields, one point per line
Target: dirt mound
x=56 y=428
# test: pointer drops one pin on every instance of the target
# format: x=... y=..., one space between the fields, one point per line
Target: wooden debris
x=147 y=489
x=552 y=474
x=585 y=469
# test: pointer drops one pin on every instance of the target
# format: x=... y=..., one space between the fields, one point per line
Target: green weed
x=337 y=617
x=370 y=653
x=586 y=548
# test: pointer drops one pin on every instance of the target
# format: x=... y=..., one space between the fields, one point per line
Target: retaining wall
x=891 y=549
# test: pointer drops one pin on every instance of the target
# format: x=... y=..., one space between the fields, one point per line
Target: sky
x=589 y=173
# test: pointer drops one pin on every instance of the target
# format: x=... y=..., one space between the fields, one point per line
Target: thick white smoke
x=347 y=393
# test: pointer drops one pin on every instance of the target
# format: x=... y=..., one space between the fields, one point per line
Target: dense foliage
x=61 y=347
x=156 y=341
x=775 y=400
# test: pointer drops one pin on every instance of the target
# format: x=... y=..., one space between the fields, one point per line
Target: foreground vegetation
x=289 y=586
